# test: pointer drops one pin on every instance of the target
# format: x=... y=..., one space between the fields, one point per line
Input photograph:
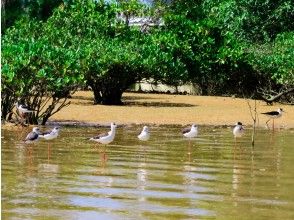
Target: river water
x=212 y=177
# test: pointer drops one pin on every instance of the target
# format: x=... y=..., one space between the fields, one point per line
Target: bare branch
x=270 y=96
x=254 y=116
x=61 y=106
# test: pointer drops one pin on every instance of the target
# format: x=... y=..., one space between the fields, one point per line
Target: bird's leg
x=139 y=152
x=273 y=124
x=48 y=153
x=102 y=155
x=189 y=150
x=30 y=154
x=105 y=155
x=144 y=154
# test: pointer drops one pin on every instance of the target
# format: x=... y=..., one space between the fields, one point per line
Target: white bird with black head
x=273 y=115
x=23 y=109
x=238 y=130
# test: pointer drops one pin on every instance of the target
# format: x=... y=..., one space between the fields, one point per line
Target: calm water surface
x=164 y=178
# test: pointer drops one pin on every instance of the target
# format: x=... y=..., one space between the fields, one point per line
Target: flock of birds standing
x=107 y=138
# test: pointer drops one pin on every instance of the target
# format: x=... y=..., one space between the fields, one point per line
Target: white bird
x=238 y=130
x=49 y=135
x=23 y=109
x=32 y=136
x=273 y=115
x=190 y=132
x=144 y=135
x=105 y=138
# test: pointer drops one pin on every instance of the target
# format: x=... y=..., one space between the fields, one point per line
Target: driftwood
x=274 y=96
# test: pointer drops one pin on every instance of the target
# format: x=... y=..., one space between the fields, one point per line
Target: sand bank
x=169 y=109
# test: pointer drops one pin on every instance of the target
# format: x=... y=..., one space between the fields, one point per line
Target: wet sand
x=165 y=109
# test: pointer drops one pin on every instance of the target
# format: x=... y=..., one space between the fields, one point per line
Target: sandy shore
x=170 y=109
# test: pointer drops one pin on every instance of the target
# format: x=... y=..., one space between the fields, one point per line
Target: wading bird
x=273 y=115
x=105 y=138
x=190 y=132
x=238 y=130
x=144 y=135
x=49 y=135
x=33 y=136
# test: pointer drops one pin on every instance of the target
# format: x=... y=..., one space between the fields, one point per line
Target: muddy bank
x=163 y=109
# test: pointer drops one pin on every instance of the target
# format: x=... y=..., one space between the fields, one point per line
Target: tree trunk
x=97 y=96
x=204 y=88
x=112 y=97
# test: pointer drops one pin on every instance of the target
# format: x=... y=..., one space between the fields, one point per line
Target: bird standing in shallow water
x=144 y=135
x=33 y=136
x=49 y=135
x=190 y=132
x=105 y=138
x=273 y=115
x=238 y=130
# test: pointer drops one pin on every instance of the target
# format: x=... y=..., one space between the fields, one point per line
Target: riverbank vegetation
x=52 y=48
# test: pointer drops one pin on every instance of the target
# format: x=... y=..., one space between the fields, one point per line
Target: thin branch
x=61 y=106
x=44 y=103
x=254 y=117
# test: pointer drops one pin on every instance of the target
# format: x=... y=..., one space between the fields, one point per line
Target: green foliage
x=13 y=10
x=34 y=67
x=215 y=44
x=250 y=20
x=276 y=59
x=219 y=34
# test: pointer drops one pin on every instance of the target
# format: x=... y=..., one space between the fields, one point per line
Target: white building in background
x=147 y=86
x=145 y=23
